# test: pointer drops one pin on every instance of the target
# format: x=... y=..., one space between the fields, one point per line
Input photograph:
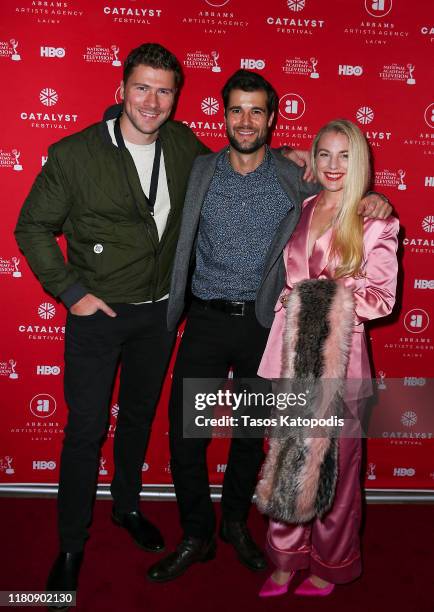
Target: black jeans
x=212 y=342
x=94 y=345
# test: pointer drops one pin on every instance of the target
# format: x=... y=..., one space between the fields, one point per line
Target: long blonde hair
x=347 y=240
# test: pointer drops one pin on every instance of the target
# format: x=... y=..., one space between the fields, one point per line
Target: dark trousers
x=94 y=345
x=212 y=342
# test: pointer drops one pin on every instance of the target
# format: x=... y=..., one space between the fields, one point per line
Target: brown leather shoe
x=190 y=550
x=237 y=534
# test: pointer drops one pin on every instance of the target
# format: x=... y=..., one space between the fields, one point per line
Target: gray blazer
x=273 y=279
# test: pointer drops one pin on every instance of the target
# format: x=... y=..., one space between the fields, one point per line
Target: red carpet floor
x=398 y=561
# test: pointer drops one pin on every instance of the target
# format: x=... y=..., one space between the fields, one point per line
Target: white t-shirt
x=143 y=156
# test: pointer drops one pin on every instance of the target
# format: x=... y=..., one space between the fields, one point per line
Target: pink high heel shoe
x=308 y=588
x=270 y=588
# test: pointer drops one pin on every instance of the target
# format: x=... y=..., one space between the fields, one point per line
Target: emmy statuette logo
x=314 y=74
x=116 y=62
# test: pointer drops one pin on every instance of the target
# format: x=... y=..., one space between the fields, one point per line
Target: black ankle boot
x=64 y=575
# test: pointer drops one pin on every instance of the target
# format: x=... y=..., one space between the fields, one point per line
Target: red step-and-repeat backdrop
x=370 y=61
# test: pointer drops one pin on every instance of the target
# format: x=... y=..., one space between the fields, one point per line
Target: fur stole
x=300 y=471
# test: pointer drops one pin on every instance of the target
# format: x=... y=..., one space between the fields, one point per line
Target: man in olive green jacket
x=118 y=200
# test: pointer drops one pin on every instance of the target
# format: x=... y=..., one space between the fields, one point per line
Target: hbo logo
x=413 y=381
x=404 y=472
x=46 y=370
x=52 y=52
x=350 y=70
x=44 y=465
x=252 y=64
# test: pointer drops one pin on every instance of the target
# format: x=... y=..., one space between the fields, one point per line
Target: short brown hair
x=156 y=56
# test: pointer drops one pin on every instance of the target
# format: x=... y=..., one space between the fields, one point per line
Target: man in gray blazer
x=241 y=207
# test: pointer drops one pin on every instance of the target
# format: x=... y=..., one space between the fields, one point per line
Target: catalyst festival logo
x=42 y=119
x=209 y=126
x=216 y=18
x=427 y=31
x=201 y=60
x=365 y=115
x=210 y=106
x=409 y=420
x=294 y=23
x=129 y=15
x=103 y=55
x=421 y=243
x=50 y=12
x=44 y=331
x=301 y=67
x=9 y=50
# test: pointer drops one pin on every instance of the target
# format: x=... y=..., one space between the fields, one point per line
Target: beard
x=248 y=147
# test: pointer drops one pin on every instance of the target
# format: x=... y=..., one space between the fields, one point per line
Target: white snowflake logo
x=46 y=310
x=428 y=224
x=296 y=5
x=409 y=418
x=210 y=106
x=48 y=96
x=365 y=115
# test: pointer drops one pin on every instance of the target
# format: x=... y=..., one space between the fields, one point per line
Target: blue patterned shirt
x=239 y=218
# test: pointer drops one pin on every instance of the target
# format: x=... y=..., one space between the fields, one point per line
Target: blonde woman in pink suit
x=332 y=241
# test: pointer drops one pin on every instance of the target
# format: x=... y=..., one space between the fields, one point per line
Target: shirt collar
x=225 y=165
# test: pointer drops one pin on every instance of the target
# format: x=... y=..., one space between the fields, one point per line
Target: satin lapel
x=297 y=257
x=319 y=259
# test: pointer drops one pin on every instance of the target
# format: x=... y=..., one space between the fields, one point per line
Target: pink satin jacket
x=374 y=291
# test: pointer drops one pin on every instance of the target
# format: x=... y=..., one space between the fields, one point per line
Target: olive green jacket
x=90 y=194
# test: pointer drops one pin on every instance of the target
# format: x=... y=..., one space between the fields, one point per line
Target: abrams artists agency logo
x=429 y=115
x=416 y=320
x=217 y=3
x=291 y=106
x=378 y=8
x=43 y=405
